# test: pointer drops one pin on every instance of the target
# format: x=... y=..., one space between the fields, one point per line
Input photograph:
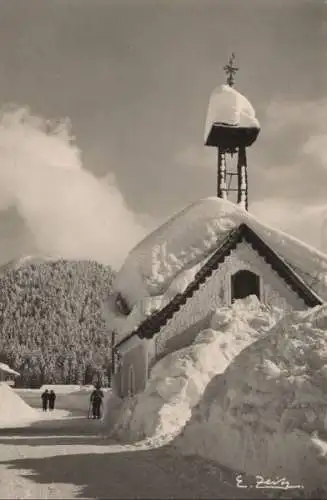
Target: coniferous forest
x=52 y=328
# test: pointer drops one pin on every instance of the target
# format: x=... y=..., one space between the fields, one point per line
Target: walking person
x=45 y=400
x=96 y=401
x=52 y=400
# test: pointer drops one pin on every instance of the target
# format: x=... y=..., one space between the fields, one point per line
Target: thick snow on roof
x=229 y=107
x=167 y=259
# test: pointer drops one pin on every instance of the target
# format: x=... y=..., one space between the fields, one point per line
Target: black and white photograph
x=163 y=249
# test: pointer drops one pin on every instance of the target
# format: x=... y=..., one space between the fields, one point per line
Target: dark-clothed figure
x=45 y=400
x=52 y=400
x=96 y=401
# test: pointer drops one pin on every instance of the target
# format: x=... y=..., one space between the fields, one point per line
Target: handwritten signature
x=277 y=484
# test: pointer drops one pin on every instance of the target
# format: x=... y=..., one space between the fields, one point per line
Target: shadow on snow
x=155 y=473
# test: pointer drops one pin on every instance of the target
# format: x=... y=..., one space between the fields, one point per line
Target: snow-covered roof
x=5 y=368
x=165 y=262
x=227 y=106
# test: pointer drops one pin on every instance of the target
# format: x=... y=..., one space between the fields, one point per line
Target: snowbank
x=178 y=381
x=167 y=259
x=229 y=107
x=13 y=408
x=267 y=414
x=67 y=388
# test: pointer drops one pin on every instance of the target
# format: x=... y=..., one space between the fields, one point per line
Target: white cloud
x=306 y=222
x=303 y=121
x=70 y=212
x=302 y=208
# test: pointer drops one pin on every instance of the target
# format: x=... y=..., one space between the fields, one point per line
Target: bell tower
x=231 y=128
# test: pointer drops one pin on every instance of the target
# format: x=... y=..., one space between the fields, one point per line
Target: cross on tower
x=230 y=70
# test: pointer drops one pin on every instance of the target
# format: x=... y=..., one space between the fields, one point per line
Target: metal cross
x=230 y=70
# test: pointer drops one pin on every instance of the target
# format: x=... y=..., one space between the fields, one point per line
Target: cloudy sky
x=135 y=77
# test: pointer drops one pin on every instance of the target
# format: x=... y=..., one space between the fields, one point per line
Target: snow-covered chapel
x=207 y=256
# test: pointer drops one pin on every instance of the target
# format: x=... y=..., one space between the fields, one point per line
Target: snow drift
x=13 y=409
x=178 y=381
x=267 y=414
x=68 y=388
x=167 y=259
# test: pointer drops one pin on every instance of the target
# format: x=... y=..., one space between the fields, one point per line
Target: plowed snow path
x=61 y=462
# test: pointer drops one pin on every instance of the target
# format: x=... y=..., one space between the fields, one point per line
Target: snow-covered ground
x=14 y=411
x=62 y=388
x=68 y=388
x=178 y=381
x=58 y=456
x=72 y=398
x=38 y=416
x=267 y=413
x=69 y=465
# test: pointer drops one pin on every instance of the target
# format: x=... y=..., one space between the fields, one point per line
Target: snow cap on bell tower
x=227 y=106
x=231 y=127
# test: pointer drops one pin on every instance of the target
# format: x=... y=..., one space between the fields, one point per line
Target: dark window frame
x=244 y=283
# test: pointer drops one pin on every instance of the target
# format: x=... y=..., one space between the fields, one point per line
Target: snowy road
x=69 y=460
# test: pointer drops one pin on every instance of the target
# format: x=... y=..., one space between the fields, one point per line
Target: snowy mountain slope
x=24 y=261
x=191 y=236
x=50 y=313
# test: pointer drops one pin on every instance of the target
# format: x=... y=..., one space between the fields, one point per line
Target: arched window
x=243 y=284
x=131 y=381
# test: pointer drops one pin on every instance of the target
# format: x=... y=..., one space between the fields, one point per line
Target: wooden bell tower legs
x=242 y=194
x=221 y=176
x=226 y=176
